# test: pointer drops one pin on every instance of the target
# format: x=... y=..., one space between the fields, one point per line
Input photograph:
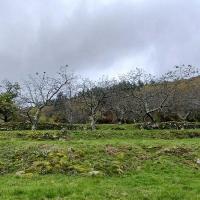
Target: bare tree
x=40 y=90
x=94 y=94
x=150 y=94
x=186 y=85
x=70 y=90
x=118 y=103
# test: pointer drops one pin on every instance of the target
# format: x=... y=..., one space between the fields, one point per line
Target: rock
x=94 y=173
x=63 y=130
x=24 y=174
x=198 y=161
x=20 y=173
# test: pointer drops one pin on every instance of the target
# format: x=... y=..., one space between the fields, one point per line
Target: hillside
x=110 y=163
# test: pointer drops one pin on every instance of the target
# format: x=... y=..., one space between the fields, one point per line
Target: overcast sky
x=97 y=36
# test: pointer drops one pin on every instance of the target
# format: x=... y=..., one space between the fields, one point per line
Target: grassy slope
x=155 y=165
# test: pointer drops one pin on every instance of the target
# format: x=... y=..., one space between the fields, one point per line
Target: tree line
x=133 y=97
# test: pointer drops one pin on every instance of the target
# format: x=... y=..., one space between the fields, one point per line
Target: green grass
x=131 y=164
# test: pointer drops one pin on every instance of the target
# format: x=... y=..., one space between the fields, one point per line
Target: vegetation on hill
x=113 y=162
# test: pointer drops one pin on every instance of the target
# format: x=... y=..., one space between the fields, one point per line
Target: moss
x=40 y=167
x=78 y=168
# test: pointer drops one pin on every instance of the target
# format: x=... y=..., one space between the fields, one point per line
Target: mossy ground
x=114 y=162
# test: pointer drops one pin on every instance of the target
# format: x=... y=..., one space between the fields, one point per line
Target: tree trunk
x=184 y=116
x=5 y=118
x=150 y=116
x=93 y=123
x=36 y=119
x=148 y=113
x=70 y=117
x=122 y=113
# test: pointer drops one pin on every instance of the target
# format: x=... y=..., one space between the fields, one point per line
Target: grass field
x=114 y=162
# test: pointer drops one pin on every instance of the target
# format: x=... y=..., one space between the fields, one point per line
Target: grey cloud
x=40 y=35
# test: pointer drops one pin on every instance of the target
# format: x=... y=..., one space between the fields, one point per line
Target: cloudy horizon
x=97 y=37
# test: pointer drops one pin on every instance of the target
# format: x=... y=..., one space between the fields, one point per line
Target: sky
x=96 y=37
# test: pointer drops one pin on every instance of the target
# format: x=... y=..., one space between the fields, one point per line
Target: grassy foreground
x=114 y=162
